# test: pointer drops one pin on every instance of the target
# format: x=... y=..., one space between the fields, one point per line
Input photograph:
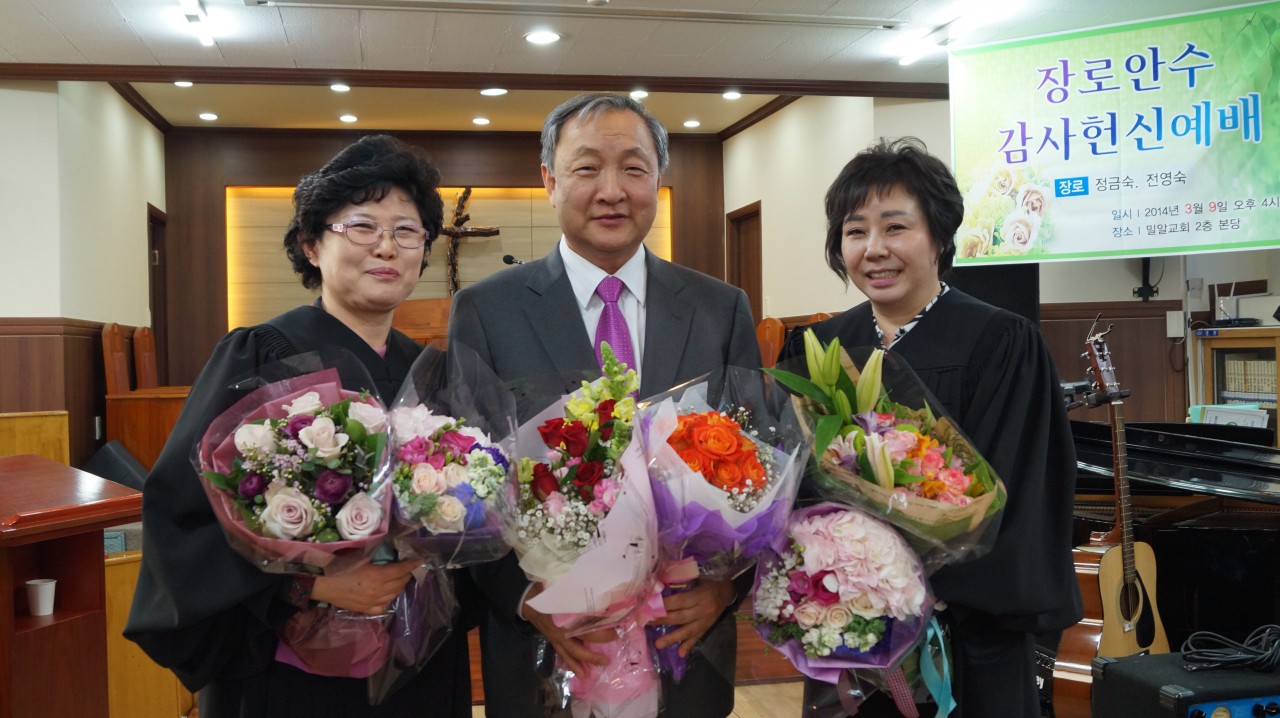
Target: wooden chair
x=770 y=333
x=146 y=373
x=115 y=360
x=424 y=320
x=818 y=317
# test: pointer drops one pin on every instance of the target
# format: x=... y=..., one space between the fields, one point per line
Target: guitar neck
x=1120 y=469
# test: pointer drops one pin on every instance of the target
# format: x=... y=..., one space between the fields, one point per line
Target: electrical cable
x=1204 y=650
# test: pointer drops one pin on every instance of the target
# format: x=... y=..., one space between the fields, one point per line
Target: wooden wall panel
x=1147 y=363
x=53 y=364
x=200 y=164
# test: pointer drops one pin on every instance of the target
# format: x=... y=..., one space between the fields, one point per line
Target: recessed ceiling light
x=480 y=121
x=184 y=83
x=493 y=92
x=692 y=123
x=732 y=95
x=638 y=94
x=208 y=116
x=339 y=87
x=348 y=118
x=542 y=37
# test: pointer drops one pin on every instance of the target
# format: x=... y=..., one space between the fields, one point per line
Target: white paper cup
x=40 y=595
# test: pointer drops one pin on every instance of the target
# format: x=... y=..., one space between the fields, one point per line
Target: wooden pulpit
x=51 y=522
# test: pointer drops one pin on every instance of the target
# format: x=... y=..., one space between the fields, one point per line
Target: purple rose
x=251 y=485
x=297 y=423
x=332 y=487
x=457 y=443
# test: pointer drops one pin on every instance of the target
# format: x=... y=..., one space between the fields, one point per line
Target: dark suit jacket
x=525 y=322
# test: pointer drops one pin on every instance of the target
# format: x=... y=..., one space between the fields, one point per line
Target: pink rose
x=427 y=480
x=360 y=518
x=288 y=514
x=810 y=614
x=554 y=503
x=324 y=437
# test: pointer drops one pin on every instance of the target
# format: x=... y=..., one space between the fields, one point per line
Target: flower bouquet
x=292 y=472
x=882 y=441
x=585 y=529
x=448 y=477
x=723 y=481
x=841 y=590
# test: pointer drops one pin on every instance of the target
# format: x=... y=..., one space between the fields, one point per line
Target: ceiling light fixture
x=542 y=37
x=208 y=116
x=184 y=83
x=197 y=20
x=638 y=94
x=348 y=118
x=732 y=95
x=692 y=124
x=493 y=92
x=480 y=121
x=339 y=87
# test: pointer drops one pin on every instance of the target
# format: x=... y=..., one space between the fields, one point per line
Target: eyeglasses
x=365 y=233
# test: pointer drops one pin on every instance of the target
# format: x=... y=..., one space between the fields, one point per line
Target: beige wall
x=80 y=165
x=31 y=275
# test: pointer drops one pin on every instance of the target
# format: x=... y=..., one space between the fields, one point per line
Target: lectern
x=51 y=521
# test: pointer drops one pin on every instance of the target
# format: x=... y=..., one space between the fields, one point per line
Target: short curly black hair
x=366 y=171
x=878 y=169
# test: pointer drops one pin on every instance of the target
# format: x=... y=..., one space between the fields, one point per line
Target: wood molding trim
x=53 y=326
x=761 y=113
x=464 y=80
x=1110 y=310
x=139 y=103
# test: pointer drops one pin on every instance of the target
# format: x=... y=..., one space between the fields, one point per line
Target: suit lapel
x=553 y=313
x=667 y=320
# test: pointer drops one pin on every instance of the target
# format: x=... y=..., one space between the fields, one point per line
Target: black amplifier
x=1159 y=687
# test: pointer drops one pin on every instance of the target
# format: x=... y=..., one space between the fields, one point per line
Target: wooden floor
x=767 y=700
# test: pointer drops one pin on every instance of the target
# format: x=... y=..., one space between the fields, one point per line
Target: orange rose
x=728 y=475
x=696 y=460
x=716 y=440
x=754 y=470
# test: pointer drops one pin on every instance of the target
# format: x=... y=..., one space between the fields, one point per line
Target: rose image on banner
x=1007 y=211
x=295 y=472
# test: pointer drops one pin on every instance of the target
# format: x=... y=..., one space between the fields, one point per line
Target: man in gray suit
x=602 y=159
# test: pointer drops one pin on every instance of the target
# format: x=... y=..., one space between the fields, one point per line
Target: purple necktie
x=613 y=326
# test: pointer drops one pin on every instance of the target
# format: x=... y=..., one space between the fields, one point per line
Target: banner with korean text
x=1132 y=140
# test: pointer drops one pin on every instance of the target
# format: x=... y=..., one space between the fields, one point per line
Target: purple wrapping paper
x=704 y=533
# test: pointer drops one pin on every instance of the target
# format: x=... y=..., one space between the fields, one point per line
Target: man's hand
x=695 y=611
x=574 y=650
x=367 y=589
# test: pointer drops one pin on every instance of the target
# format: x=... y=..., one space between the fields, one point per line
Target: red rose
x=576 y=438
x=544 y=482
x=552 y=432
x=822 y=594
x=588 y=475
x=605 y=411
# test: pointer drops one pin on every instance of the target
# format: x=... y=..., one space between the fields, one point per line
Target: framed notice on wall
x=1131 y=140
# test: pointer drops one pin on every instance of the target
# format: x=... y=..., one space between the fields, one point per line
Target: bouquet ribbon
x=628 y=686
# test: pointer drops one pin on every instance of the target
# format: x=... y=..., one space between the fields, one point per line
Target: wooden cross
x=456 y=232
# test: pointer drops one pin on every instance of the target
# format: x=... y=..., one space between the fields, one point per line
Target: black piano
x=1208 y=502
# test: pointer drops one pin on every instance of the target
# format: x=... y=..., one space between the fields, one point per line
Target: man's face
x=604 y=186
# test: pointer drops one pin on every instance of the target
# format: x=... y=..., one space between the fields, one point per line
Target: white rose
x=426 y=480
x=288 y=514
x=454 y=474
x=308 y=403
x=256 y=437
x=809 y=614
x=372 y=417
x=448 y=516
x=360 y=517
x=324 y=437
x=837 y=617
x=1020 y=229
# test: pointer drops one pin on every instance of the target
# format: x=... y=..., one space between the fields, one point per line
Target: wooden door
x=743 y=255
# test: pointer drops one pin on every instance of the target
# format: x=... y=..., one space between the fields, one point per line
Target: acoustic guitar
x=1127 y=571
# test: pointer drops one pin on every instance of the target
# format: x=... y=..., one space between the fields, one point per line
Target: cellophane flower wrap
x=841 y=591
x=724 y=478
x=452 y=425
x=585 y=529
x=295 y=474
x=884 y=442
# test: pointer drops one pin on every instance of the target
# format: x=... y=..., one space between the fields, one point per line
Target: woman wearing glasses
x=360 y=236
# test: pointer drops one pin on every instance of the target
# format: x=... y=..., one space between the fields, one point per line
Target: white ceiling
x=756 y=45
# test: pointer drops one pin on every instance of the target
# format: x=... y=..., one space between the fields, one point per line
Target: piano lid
x=1183 y=461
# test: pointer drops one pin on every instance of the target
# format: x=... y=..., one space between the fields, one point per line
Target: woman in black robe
x=891 y=217
x=360 y=235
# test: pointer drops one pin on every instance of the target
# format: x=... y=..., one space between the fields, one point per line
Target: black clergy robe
x=992 y=372
x=203 y=611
